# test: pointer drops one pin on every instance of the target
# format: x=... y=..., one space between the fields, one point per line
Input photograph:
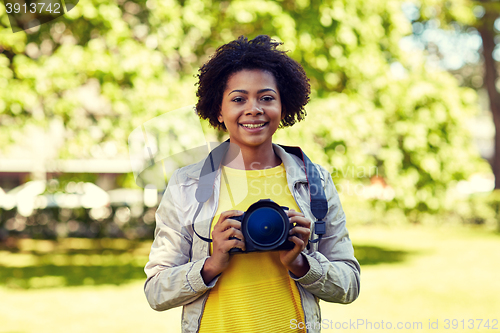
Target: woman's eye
x=267 y=98
x=238 y=99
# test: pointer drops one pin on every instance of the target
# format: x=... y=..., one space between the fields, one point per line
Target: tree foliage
x=376 y=113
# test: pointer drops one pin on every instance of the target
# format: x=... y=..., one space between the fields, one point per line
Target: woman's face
x=251 y=108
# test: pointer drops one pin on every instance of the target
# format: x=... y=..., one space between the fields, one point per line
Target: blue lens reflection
x=265 y=226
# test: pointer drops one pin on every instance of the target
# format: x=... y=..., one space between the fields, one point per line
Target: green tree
x=377 y=114
x=479 y=16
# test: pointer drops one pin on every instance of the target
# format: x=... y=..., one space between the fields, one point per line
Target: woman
x=249 y=89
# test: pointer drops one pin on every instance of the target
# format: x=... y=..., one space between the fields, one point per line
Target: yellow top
x=255 y=293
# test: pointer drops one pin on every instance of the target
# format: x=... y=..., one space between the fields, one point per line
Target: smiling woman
x=259 y=53
x=250 y=89
x=251 y=112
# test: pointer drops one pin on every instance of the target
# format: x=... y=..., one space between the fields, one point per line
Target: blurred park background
x=96 y=110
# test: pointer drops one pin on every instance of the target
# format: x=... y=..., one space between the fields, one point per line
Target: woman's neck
x=258 y=158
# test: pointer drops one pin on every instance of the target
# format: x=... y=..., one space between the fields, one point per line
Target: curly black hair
x=258 y=53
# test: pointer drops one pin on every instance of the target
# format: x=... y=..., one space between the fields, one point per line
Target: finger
x=233 y=232
x=294 y=213
x=300 y=231
x=304 y=237
x=228 y=214
x=226 y=223
x=299 y=243
x=228 y=239
x=234 y=243
x=230 y=223
x=301 y=221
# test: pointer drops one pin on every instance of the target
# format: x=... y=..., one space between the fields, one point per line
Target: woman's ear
x=283 y=113
x=220 y=118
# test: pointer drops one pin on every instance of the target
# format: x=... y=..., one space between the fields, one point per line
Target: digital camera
x=265 y=226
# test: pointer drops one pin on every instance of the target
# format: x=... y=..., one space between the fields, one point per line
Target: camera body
x=265 y=226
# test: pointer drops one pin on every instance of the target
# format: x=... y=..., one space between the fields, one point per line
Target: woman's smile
x=251 y=108
x=254 y=127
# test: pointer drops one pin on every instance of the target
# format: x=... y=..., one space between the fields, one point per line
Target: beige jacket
x=177 y=255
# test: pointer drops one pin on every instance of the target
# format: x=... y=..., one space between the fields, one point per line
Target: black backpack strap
x=319 y=204
x=207 y=179
x=209 y=172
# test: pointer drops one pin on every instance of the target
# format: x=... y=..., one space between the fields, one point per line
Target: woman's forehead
x=250 y=77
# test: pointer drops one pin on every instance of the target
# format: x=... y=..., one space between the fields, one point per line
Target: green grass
x=34 y=264
x=409 y=274
x=449 y=274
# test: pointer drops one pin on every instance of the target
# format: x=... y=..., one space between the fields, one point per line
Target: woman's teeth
x=253 y=125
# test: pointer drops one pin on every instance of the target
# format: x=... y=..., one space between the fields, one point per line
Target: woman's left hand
x=292 y=259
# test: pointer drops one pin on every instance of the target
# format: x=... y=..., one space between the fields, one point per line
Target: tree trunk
x=487 y=33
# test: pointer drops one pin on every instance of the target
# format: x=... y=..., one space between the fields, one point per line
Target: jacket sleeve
x=172 y=279
x=334 y=274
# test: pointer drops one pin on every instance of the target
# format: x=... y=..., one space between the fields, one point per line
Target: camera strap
x=319 y=204
x=207 y=179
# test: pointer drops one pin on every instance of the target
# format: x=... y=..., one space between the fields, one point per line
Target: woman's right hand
x=225 y=236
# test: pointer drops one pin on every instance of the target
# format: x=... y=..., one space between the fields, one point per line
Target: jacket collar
x=293 y=165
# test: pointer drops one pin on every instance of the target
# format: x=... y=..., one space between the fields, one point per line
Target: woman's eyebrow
x=238 y=90
x=246 y=92
x=264 y=90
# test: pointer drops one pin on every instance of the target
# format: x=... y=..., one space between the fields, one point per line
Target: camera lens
x=265 y=226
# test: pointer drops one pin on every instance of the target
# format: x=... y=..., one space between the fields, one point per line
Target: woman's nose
x=255 y=108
